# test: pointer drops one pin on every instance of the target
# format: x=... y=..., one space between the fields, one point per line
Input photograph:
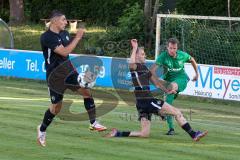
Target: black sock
x=122 y=134
x=48 y=117
x=90 y=107
x=188 y=129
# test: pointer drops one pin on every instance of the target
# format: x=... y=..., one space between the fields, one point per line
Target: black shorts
x=59 y=83
x=147 y=107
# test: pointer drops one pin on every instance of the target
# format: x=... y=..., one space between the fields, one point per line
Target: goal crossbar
x=199 y=17
x=158 y=24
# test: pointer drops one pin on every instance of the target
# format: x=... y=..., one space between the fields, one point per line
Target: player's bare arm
x=194 y=64
x=159 y=85
x=65 y=51
x=153 y=69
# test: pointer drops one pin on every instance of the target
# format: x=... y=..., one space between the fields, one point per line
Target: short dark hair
x=55 y=13
x=173 y=41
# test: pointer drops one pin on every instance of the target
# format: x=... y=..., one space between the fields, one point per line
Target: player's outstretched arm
x=65 y=51
x=160 y=85
x=153 y=69
x=194 y=64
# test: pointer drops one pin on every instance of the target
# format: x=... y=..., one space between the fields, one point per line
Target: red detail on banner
x=227 y=71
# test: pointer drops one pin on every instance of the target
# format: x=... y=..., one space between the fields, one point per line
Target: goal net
x=6 y=38
x=209 y=39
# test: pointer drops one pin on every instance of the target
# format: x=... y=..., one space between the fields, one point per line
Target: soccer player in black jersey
x=61 y=75
x=145 y=102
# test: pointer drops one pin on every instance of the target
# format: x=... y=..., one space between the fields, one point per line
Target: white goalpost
x=215 y=39
x=6 y=37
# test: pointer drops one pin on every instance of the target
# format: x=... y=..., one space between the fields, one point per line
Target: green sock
x=169 y=100
x=170 y=122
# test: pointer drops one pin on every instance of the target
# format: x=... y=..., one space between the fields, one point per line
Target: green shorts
x=181 y=82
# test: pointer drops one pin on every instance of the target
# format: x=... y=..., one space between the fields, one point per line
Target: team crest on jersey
x=180 y=63
x=53 y=98
x=67 y=38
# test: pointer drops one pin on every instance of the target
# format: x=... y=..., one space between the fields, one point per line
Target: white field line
x=98 y=101
x=39 y=99
x=219 y=124
x=24 y=99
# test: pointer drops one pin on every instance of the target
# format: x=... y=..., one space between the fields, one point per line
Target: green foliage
x=27 y=37
x=4 y=14
x=209 y=42
x=107 y=12
x=130 y=25
x=4 y=10
x=208 y=8
x=93 y=11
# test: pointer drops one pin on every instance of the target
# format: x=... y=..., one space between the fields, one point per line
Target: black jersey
x=140 y=78
x=49 y=42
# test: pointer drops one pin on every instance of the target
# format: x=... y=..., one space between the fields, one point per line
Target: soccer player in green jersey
x=146 y=103
x=173 y=61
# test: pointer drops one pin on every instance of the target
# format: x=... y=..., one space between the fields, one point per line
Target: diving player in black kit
x=145 y=102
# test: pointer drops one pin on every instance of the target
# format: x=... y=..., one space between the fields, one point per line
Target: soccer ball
x=86 y=81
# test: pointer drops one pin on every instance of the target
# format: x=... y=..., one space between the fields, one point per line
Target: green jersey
x=174 y=66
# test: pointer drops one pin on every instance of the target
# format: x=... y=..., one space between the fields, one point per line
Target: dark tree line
x=109 y=12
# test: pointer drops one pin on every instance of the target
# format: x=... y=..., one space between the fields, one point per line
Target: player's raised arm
x=65 y=51
x=194 y=64
x=132 y=62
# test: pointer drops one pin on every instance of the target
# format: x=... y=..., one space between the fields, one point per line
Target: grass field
x=27 y=37
x=23 y=104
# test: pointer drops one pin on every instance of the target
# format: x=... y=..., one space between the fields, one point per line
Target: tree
x=150 y=20
x=16 y=12
x=147 y=18
x=229 y=13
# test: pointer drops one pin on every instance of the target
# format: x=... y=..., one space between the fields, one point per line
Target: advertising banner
x=218 y=82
